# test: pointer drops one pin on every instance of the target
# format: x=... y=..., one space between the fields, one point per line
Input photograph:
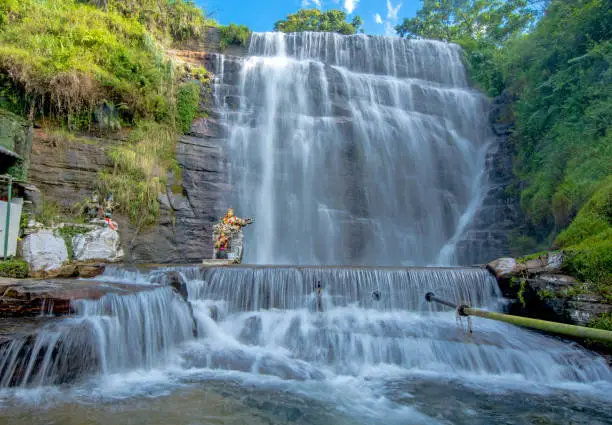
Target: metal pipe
x=8 y=216
x=543 y=325
x=430 y=296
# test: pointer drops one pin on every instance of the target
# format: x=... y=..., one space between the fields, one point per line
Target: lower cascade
x=360 y=341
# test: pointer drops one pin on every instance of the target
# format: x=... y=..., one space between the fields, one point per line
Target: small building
x=10 y=214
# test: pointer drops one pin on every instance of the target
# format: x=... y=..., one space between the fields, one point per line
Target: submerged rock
x=45 y=253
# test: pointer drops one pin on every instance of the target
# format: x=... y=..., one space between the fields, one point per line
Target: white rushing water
x=364 y=348
x=353 y=150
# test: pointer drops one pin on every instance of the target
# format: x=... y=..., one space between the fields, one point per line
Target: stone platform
x=52 y=297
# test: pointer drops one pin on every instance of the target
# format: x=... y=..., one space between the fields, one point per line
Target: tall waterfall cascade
x=352 y=149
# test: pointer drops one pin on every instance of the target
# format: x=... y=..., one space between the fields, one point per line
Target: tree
x=455 y=20
x=315 y=20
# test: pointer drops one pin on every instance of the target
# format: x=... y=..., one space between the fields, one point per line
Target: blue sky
x=379 y=16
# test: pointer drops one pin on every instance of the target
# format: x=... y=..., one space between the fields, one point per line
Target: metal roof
x=8 y=152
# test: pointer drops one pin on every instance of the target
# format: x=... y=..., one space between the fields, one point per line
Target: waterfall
x=113 y=334
x=368 y=331
x=268 y=320
x=352 y=149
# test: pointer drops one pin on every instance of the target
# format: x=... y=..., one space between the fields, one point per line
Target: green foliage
x=12 y=268
x=174 y=19
x=561 y=74
x=24 y=220
x=69 y=232
x=604 y=322
x=234 y=35
x=187 y=105
x=140 y=171
x=452 y=20
x=519 y=244
x=481 y=27
x=534 y=256
x=546 y=294
x=588 y=241
x=67 y=57
x=49 y=213
x=17 y=170
x=521 y=292
x=315 y=20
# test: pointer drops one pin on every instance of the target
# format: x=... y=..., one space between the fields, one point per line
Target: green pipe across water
x=543 y=325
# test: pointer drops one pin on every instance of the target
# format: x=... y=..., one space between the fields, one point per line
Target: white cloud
x=350 y=5
x=392 y=11
x=308 y=3
x=378 y=18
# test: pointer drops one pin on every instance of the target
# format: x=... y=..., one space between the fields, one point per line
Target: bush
x=68 y=57
x=140 y=171
x=187 y=103
x=17 y=269
x=603 y=322
x=236 y=35
x=588 y=241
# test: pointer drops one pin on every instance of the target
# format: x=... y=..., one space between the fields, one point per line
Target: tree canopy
x=315 y=20
x=453 y=20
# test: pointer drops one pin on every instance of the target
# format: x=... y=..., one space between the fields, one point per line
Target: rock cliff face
x=66 y=171
x=540 y=288
x=500 y=215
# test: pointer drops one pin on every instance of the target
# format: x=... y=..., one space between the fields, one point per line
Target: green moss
x=12 y=268
x=187 y=105
x=234 y=35
x=534 y=256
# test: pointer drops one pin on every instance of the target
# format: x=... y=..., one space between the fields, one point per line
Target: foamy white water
x=369 y=351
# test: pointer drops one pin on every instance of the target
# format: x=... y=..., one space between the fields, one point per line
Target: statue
x=96 y=210
x=228 y=237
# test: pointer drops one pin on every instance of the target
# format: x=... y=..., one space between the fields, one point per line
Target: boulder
x=45 y=253
x=101 y=244
x=554 y=261
x=503 y=267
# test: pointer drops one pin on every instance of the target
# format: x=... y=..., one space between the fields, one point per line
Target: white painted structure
x=16 y=207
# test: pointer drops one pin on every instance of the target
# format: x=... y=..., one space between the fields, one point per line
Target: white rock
x=100 y=244
x=555 y=261
x=44 y=251
x=505 y=266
